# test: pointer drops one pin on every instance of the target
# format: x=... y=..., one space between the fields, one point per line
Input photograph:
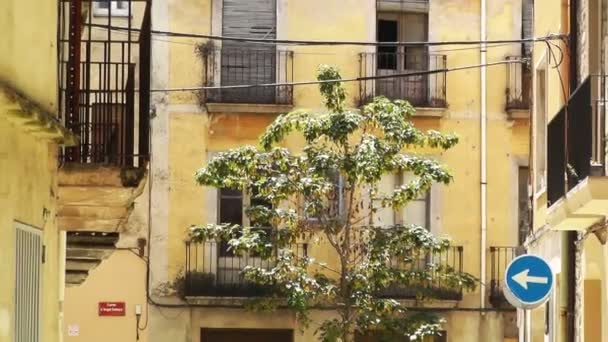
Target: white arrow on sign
x=522 y=278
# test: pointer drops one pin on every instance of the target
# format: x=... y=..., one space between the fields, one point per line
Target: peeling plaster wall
x=120 y=278
x=29 y=52
x=28 y=189
x=28 y=182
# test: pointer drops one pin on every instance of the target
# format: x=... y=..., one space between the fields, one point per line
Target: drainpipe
x=483 y=183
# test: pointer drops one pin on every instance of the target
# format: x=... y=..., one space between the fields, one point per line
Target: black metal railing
x=422 y=90
x=500 y=257
x=570 y=143
x=519 y=86
x=213 y=271
x=104 y=82
x=451 y=258
x=247 y=66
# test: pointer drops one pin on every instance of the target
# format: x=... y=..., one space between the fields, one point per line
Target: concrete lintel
x=518 y=114
x=247 y=108
x=401 y=6
x=430 y=112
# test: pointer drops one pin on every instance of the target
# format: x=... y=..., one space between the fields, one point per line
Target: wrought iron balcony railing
x=451 y=258
x=422 y=90
x=213 y=271
x=247 y=66
x=519 y=86
x=99 y=72
x=500 y=257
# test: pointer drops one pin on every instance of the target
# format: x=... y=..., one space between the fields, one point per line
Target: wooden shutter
x=249 y=19
x=28 y=262
x=527 y=22
x=249 y=63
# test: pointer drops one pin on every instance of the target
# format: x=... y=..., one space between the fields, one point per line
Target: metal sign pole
x=528 y=328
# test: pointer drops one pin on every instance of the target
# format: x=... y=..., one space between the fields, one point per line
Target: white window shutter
x=28 y=277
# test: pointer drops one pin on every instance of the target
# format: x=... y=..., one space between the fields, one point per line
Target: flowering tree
x=328 y=193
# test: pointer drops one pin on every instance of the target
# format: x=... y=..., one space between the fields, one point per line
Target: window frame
x=540 y=185
x=401 y=52
x=99 y=11
x=426 y=198
x=399 y=179
x=246 y=199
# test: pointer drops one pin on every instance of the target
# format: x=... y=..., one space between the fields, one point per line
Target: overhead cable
x=355 y=79
x=321 y=42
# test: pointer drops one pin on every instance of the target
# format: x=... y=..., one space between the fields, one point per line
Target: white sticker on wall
x=73 y=330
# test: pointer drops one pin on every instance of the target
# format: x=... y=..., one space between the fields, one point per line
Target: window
x=335 y=206
x=28 y=264
x=394 y=27
x=114 y=8
x=243 y=63
x=523 y=204
x=540 y=128
x=231 y=210
x=418 y=211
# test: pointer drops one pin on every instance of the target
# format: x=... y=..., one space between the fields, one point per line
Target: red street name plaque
x=111 y=308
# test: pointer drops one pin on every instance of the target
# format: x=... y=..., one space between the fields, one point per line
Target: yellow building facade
x=31 y=246
x=146 y=218
x=568 y=168
x=188 y=128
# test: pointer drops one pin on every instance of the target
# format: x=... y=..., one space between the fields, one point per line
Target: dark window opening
x=387 y=55
x=231 y=212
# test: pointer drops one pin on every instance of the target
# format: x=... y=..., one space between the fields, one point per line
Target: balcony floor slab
x=582 y=207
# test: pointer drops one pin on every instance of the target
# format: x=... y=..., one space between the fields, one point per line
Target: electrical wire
x=492 y=45
x=322 y=43
x=354 y=79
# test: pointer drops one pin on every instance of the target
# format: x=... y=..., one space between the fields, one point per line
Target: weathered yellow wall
x=185 y=133
x=594 y=318
x=27 y=188
x=29 y=58
x=120 y=278
x=29 y=165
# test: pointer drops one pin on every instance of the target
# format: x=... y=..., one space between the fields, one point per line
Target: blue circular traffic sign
x=528 y=281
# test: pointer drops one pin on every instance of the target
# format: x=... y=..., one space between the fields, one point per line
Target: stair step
x=89 y=253
x=75 y=277
x=92 y=212
x=81 y=264
x=92 y=239
x=84 y=224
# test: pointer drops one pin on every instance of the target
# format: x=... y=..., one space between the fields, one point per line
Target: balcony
x=104 y=98
x=421 y=91
x=577 y=189
x=243 y=67
x=500 y=257
x=451 y=258
x=519 y=89
x=213 y=271
x=100 y=70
